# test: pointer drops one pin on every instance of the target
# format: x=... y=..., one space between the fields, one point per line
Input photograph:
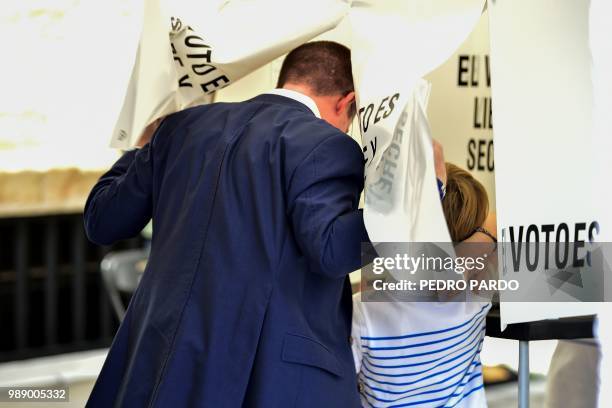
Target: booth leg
x=523 y=375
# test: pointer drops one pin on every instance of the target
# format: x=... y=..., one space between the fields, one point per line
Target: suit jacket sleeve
x=323 y=205
x=120 y=204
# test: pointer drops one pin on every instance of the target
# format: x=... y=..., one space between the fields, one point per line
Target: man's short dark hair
x=325 y=66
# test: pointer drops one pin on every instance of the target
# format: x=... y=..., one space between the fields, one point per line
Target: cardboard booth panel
x=600 y=32
x=541 y=83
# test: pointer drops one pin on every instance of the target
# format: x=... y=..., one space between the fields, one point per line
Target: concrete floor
x=505 y=396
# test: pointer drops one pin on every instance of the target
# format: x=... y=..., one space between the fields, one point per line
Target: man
x=245 y=300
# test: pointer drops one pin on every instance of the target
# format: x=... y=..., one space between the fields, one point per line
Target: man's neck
x=307 y=91
x=303 y=89
x=300 y=94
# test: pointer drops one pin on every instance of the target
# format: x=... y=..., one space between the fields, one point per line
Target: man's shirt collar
x=297 y=96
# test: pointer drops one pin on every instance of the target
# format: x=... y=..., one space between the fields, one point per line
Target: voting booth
x=507 y=87
x=455 y=57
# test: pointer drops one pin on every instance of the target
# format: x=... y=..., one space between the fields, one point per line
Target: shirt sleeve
x=323 y=198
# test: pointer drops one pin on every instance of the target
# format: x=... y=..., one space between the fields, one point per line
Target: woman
x=427 y=354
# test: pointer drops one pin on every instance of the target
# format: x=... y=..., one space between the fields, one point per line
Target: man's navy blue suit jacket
x=245 y=299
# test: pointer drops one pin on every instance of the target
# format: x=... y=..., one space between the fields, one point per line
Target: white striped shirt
x=419 y=354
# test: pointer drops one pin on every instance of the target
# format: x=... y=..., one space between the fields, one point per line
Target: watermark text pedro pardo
x=460 y=265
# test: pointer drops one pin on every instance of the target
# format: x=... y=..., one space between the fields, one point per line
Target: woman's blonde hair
x=466 y=203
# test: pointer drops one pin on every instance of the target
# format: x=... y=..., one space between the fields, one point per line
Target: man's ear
x=344 y=102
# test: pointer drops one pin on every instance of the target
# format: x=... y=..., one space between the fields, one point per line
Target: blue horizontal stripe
x=470 y=357
x=473 y=390
x=369 y=403
x=461 y=383
x=472 y=342
x=474 y=365
x=428 y=343
x=426 y=353
x=420 y=402
x=408 y=336
x=444 y=398
x=441 y=363
x=414 y=403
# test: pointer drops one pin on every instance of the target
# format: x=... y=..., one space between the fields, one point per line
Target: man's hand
x=439 y=163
